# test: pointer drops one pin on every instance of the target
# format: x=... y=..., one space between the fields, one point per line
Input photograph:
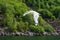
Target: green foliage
x=46 y=14
x=42 y=27
x=2 y=9
x=22 y=26
x=12 y=26
x=39 y=29
x=45 y=7
x=12 y=10
x=10 y=21
x=45 y=25
x=29 y=18
x=56 y=12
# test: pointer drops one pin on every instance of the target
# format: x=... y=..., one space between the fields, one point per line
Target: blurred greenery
x=45 y=25
x=13 y=11
x=22 y=26
x=29 y=18
x=39 y=29
x=47 y=8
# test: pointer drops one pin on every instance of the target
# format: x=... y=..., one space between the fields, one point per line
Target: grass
x=30 y=38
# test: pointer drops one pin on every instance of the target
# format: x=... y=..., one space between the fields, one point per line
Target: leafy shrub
x=39 y=29
x=13 y=17
x=42 y=27
x=45 y=25
x=11 y=10
x=47 y=14
x=2 y=8
x=49 y=5
x=22 y=26
x=10 y=21
x=56 y=12
x=12 y=26
x=29 y=18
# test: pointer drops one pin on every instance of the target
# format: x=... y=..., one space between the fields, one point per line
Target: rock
x=55 y=33
x=13 y=34
x=17 y=33
x=58 y=31
x=31 y=34
x=2 y=33
x=46 y=34
x=5 y=27
x=37 y=34
x=21 y=33
x=34 y=34
x=25 y=35
x=1 y=18
x=7 y=34
x=0 y=29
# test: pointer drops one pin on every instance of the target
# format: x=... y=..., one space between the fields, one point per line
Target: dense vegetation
x=48 y=8
x=13 y=11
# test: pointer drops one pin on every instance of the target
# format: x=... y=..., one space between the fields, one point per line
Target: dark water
x=30 y=38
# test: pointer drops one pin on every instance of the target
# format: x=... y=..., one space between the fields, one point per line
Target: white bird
x=35 y=15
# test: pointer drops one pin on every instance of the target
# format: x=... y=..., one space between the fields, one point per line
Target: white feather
x=35 y=15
